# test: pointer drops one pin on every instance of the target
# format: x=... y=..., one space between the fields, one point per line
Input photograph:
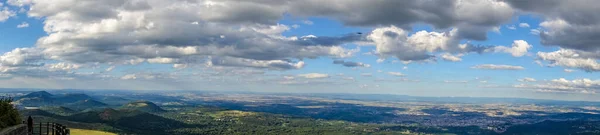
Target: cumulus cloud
x=585 y=60
x=571 y=25
x=169 y=32
x=473 y=18
x=6 y=13
x=393 y=41
x=518 y=49
x=314 y=75
x=350 y=63
x=497 y=67
x=562 y=85
x=22 y=57
x=64 y=66
x=246 y=34
x=568 y=24
x=173 y=32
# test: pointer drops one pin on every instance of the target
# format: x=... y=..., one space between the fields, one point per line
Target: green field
x=89 y=132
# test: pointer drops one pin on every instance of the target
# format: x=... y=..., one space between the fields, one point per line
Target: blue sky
x=288 y=48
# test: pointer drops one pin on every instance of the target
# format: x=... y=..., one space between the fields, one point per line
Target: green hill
x=70 y=98
x=113 y=100
x=86 y=104
x=59 y=110
x=38 y=112
x=145 y=106
x=128 y=120
x=38 y=94
x=39 y=98
x=43 y=98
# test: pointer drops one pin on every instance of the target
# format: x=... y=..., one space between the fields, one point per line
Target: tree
x=9 y=115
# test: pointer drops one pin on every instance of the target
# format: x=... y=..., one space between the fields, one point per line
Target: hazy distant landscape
x=206 y=112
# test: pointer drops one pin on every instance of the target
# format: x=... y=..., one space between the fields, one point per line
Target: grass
x=89 y=132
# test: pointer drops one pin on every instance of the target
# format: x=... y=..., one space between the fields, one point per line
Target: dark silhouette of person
x=30 y=124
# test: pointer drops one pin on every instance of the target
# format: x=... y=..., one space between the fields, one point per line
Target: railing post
x=68 y=132
x=57 y=130
x=61 y=130
x=40 y=128
x=47 y=128
x=53 y=128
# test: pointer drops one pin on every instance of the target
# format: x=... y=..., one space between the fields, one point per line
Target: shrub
x=9 y=115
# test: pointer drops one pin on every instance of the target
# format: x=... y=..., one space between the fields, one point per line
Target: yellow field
x=89 y=132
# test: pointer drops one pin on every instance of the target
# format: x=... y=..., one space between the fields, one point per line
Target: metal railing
x=20 y=129
x=49 y=129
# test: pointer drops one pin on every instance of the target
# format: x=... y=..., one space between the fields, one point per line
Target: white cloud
x=526 y=79
x=450 y=57
x=523 y=25
x=132 y=30
x=23 y=25
x=511 y=27
x=288 y=77
x=586 y=61
x=111 y=68
x=497 y=67
x=395 y=73
x=307 y=22
x=64 y=66
x=19 y=3
x=449 y=81
x=366 y=74
x=562 y=85
x=180 y=66
x=393 y=41
x=129 y=77
x=568 y=70
x=314 y=75
x=534 y=32
x=246 y=34
x=518 y=49
x=6 y=13
x=21 y=57
x=160 y=60
x=269 y=64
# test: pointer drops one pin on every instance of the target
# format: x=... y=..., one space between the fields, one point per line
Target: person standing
x=30 y=125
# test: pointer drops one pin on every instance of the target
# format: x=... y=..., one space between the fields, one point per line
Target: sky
x=462 y=48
